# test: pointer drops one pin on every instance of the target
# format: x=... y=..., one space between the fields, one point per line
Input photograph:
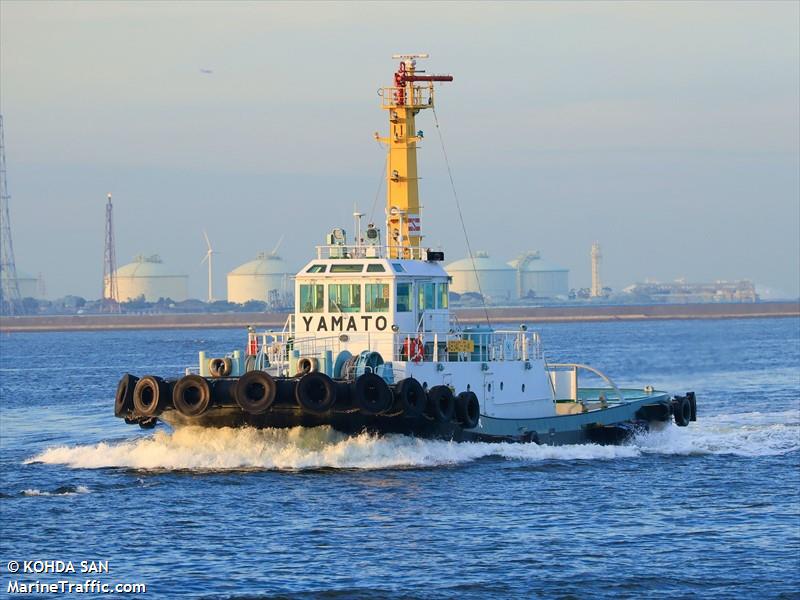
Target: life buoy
x=315 y=393
x=220 y=367
x=414 y=349
x=150 y=396
x=255 y=392
x=191 y=395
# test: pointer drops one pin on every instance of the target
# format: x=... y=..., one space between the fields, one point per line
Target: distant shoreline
x=517 y=314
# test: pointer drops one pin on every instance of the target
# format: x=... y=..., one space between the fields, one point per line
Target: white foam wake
x=62 y=491
x=195 y=448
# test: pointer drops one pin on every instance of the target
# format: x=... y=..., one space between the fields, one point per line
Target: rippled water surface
x=712 y=510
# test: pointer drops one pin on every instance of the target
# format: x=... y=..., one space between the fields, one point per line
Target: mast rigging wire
x=461 y=216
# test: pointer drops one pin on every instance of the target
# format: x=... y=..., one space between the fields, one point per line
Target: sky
x=667 y=132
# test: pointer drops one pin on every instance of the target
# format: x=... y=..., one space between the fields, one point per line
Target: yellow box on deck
x=460 y=346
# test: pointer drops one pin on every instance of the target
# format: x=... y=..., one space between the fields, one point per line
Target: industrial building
x=682 y=292
x=536 y=278
x=266 y=279
x=148 y=276
x=496 y=278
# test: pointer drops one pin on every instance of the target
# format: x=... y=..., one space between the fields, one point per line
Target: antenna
x=110 y=296
x=209 y=253
x=10 y=299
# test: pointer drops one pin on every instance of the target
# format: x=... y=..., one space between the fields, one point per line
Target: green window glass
x=427 y=298
x=376 y=268
x=376 y=297
x=344 y=297
x=441 y=295
x=312 y=297
x=404 y=297
x=316 y=269
x=347 y=268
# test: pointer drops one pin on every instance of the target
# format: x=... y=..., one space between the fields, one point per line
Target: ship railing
x=564 y=380
x=399 y=96
x=466 y=346
x=362 y=251
x=282 y=350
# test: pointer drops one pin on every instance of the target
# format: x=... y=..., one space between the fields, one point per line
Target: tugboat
x=372 y=344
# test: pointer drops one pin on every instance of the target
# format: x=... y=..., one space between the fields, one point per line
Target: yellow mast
x=403 y=101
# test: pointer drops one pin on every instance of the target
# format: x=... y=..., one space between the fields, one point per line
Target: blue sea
x=707 y=511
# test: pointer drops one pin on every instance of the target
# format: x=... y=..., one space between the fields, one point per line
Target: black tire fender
x=441 y=403
x=220 y=367
x=255 y=392
x=150 y=396
x=315 y=393
x=372 y=394
x=410 y=397
x=468 y=410
x=191 y=396
x=683 y=411
x=123 y=400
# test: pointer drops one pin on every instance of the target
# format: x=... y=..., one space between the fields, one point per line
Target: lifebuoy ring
x=414 y=349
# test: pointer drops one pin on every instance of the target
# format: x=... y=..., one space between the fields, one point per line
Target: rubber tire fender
x=468 y=410
x=315 y=393
x=683 y=411
x=191 y=396
x=441 y=403
x=410 y=397
x=220 y=367
x=307 y=364
x=150 y=396
x=372 y=394
x=123 y=400
x=255 y=392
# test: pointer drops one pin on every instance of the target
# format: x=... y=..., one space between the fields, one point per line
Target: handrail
x=602 y=375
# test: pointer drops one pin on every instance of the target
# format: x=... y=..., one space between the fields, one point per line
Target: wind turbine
x=207 y=258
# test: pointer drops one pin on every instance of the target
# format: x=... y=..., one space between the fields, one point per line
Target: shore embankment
x=497 y=315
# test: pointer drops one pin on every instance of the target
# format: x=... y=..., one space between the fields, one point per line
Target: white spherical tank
x=538 y=278
x=148 y=276
x=267 y=279
x=496 y=278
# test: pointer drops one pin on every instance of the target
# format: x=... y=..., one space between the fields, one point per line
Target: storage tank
x=496 y=277
x=538 y=278
x=29 y=286
x=148 y=276
x=267 y=278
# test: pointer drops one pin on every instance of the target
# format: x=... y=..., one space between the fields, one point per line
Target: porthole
x=501 y=386
x=523 y=388
x=489 y=387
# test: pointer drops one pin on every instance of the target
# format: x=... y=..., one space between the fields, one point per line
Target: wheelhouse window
x=404 y=297
x=398 y=268
x=376 y=297
x=376 y=268
x=347 y=268
x=427 y=298
x=316 y=269
x=344 y=297
x=312 y=297
x=442 y=295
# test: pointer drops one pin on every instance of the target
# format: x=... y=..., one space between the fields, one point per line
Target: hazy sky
x=669 y=132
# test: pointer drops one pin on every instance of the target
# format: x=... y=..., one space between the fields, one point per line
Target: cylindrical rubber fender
x=468 y=410
x=372 y=394
x=255 y=392
x=307 y=364
x=410 y=397
x=191 y=395
x=220 y=367
x=123 y=400
x=683 y=411
x=441 y=404
x=150 y=396
x=315 y=393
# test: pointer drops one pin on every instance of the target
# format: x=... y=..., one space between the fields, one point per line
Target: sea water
x=711 y=510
